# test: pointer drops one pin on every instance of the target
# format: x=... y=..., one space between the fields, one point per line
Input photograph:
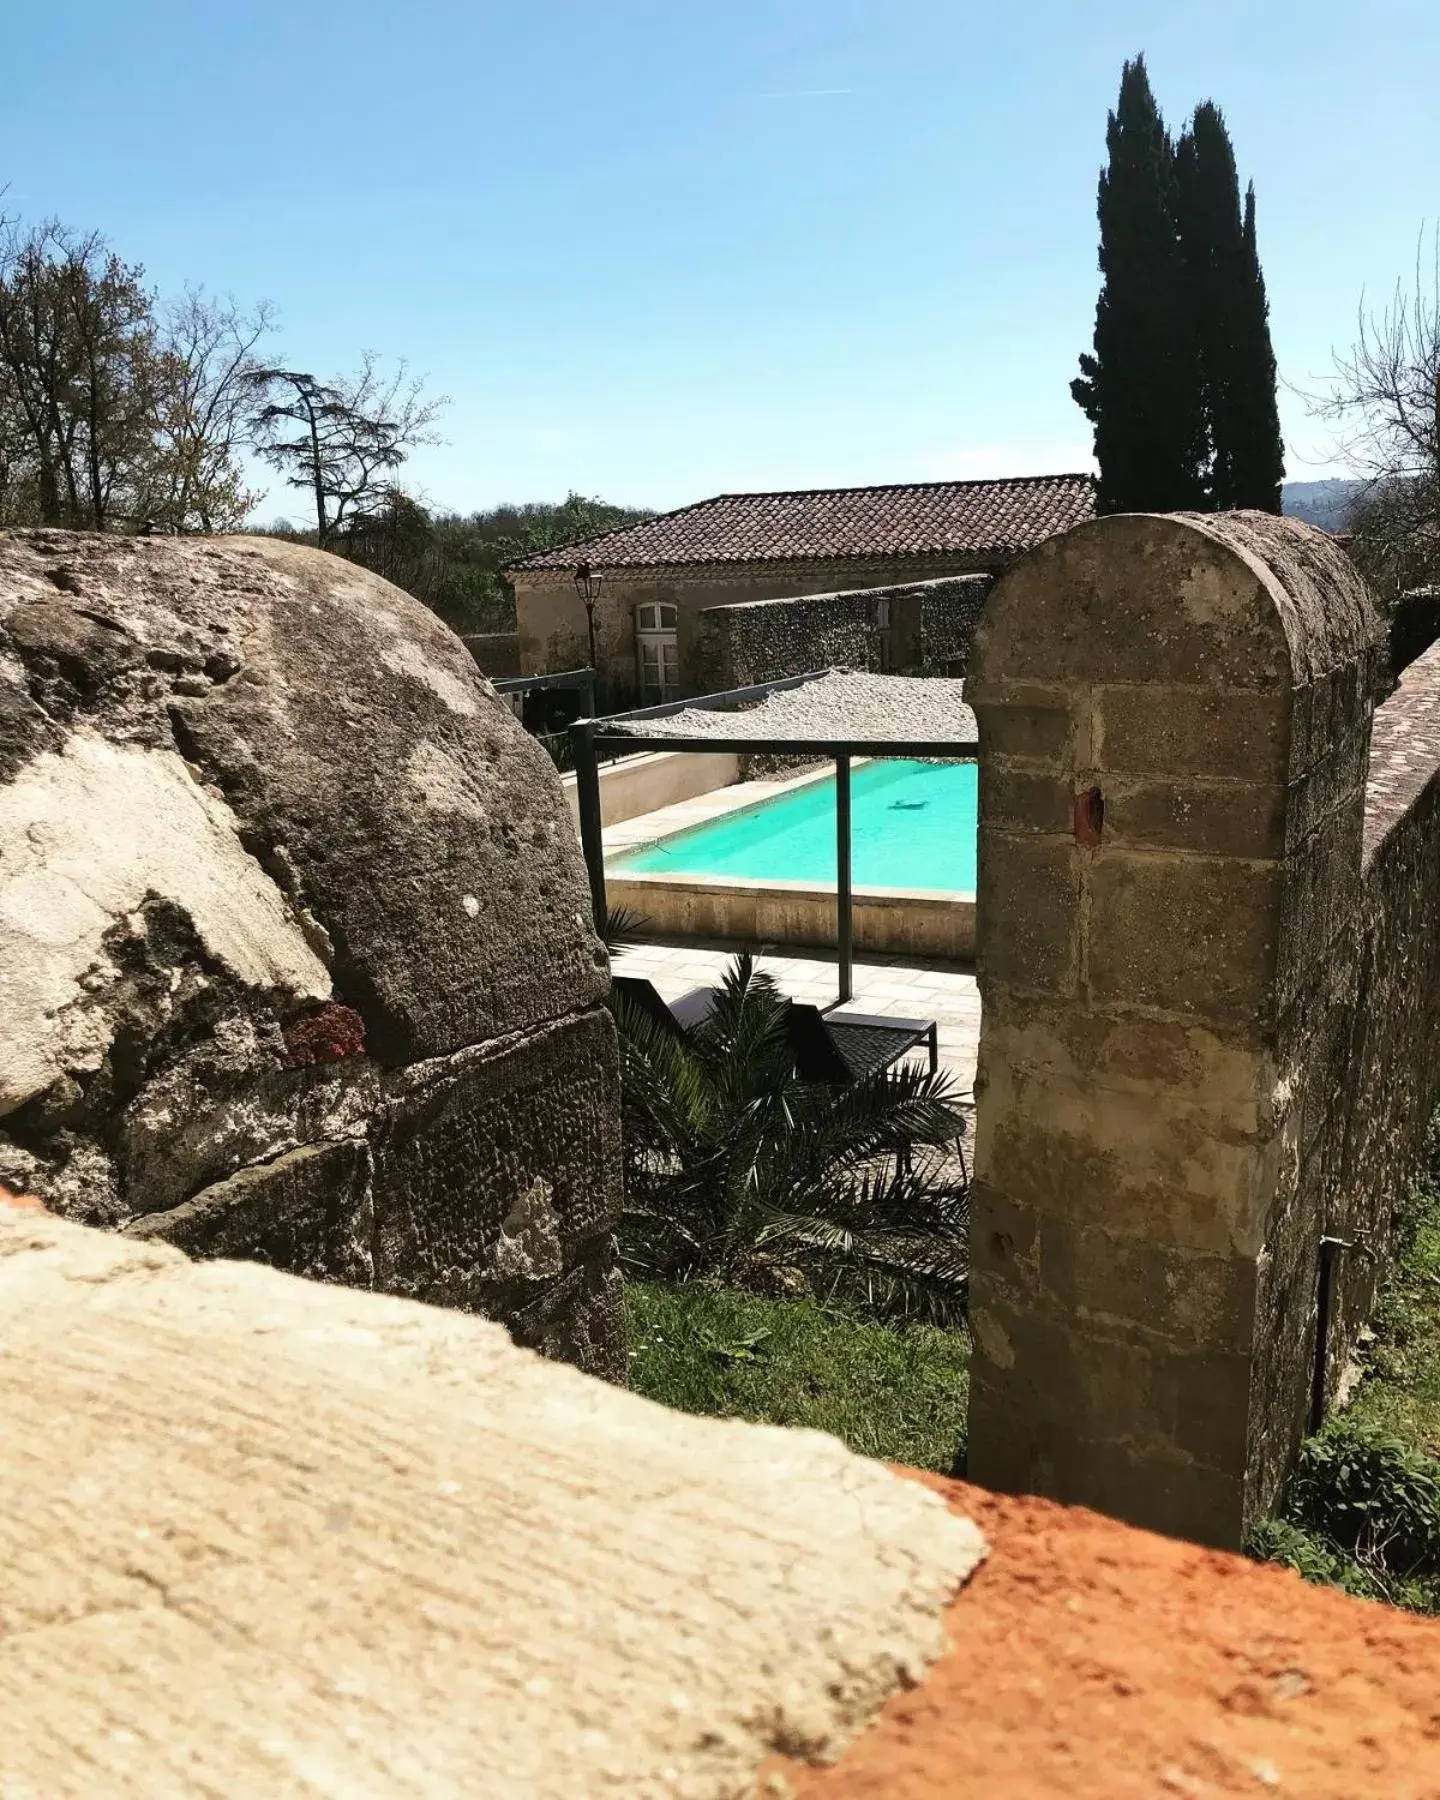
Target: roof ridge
x=887 y=487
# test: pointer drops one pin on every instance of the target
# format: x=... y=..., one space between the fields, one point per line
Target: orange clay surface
x=1091 y=1661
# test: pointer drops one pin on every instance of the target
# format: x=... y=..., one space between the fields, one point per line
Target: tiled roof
x=932 y=518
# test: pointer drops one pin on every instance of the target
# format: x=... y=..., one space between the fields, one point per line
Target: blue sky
x=656 y=249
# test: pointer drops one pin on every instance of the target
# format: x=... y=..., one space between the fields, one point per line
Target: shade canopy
x=838 y=707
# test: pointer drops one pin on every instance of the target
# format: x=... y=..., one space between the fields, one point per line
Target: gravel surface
x=845 y=704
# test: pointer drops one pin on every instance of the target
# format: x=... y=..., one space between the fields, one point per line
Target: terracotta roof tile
x=933 y=518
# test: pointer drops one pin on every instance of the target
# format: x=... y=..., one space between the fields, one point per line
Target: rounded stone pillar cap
x=1241 y=600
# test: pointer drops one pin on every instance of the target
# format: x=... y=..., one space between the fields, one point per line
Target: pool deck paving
x=889 y=985
x=701 y=809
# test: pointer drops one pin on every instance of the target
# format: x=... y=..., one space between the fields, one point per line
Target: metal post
x=844 y=921
x=589 y=692
x=587 y=796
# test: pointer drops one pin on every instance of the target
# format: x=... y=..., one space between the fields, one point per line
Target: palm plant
x=739 y=1172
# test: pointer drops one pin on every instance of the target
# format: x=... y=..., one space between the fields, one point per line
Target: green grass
x=895 y=1392
x=1362 y=1510
x=1401 y=1390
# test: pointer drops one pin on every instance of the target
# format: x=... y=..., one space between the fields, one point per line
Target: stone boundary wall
x=931 y=627
x=496 y=653
x=1389 y=1086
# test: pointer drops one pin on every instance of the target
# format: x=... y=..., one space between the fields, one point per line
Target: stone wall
x=931 y=627
x=1175 y=719
x=1388 y=1086
x=294 y=940
x=550 y=619
x=496 y=653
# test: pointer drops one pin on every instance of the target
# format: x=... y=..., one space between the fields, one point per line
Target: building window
x=657 y=652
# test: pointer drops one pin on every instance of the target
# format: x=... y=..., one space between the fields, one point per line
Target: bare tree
x=341 y=441
x=1384 y=400
x=207 y=369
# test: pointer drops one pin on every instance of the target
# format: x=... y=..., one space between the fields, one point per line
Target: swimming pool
x=912 y=826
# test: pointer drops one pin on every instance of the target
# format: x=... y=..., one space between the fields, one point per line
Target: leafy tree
x=1244 y=452
x=739 y=1172
x=1141 y=388
x=456 y=563
x=340 y=442
x=110 y=414
x=78 y=377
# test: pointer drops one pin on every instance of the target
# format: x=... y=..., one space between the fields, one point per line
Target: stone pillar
x=1174 y=723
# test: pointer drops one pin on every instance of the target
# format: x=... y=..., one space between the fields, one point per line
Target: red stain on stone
x=1089 y=816
x=21 y=1202
x=329 y=1034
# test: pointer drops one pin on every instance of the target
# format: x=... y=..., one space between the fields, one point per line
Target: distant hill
x=1323 y=503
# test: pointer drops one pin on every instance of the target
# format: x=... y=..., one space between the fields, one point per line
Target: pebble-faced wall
x=295 y=950
x=931 y=627
x=1175 y=721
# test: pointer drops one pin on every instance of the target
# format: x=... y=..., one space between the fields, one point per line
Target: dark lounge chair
x=842 y=1050
x=677 y=1015
x=834 y=1050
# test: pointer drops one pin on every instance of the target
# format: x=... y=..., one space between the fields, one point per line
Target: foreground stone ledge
x=263 y=1536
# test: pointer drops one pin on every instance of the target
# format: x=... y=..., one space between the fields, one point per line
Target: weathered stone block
x=1228 y=818
x=307 y=1213
x=1190 y=935
x=1116 y=1049
x=1025 y=800
x=1097 y=1387
x=1238 y=735
x=1134 y=1165
x=1027 y=906
x=1159 y=1492
x=1126 y=1283
x=525 y=1126
x=1024 y=728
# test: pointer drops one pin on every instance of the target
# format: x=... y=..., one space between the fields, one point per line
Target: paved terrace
x=883 y=984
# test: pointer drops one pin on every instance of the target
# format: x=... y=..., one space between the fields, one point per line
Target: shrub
x=739 y=1172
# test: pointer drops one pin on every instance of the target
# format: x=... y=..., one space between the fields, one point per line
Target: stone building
x=295 y=955
x=658 y=577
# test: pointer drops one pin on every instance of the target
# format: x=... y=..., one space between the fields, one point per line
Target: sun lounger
x=846 y=1049
x=833 y=1050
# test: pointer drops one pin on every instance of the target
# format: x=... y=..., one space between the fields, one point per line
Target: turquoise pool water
x=912 y=826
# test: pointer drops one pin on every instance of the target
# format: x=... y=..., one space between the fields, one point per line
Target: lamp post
x=587 y=586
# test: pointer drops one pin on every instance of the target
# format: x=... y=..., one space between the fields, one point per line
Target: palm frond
x=732 y=1162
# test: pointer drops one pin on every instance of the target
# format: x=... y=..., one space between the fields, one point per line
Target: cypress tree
x=1242 y=450
x=1141 y=387
x=1258 y=452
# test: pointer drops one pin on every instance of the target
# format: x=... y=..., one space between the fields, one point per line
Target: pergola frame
x=589 y=735
x=581 y=680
